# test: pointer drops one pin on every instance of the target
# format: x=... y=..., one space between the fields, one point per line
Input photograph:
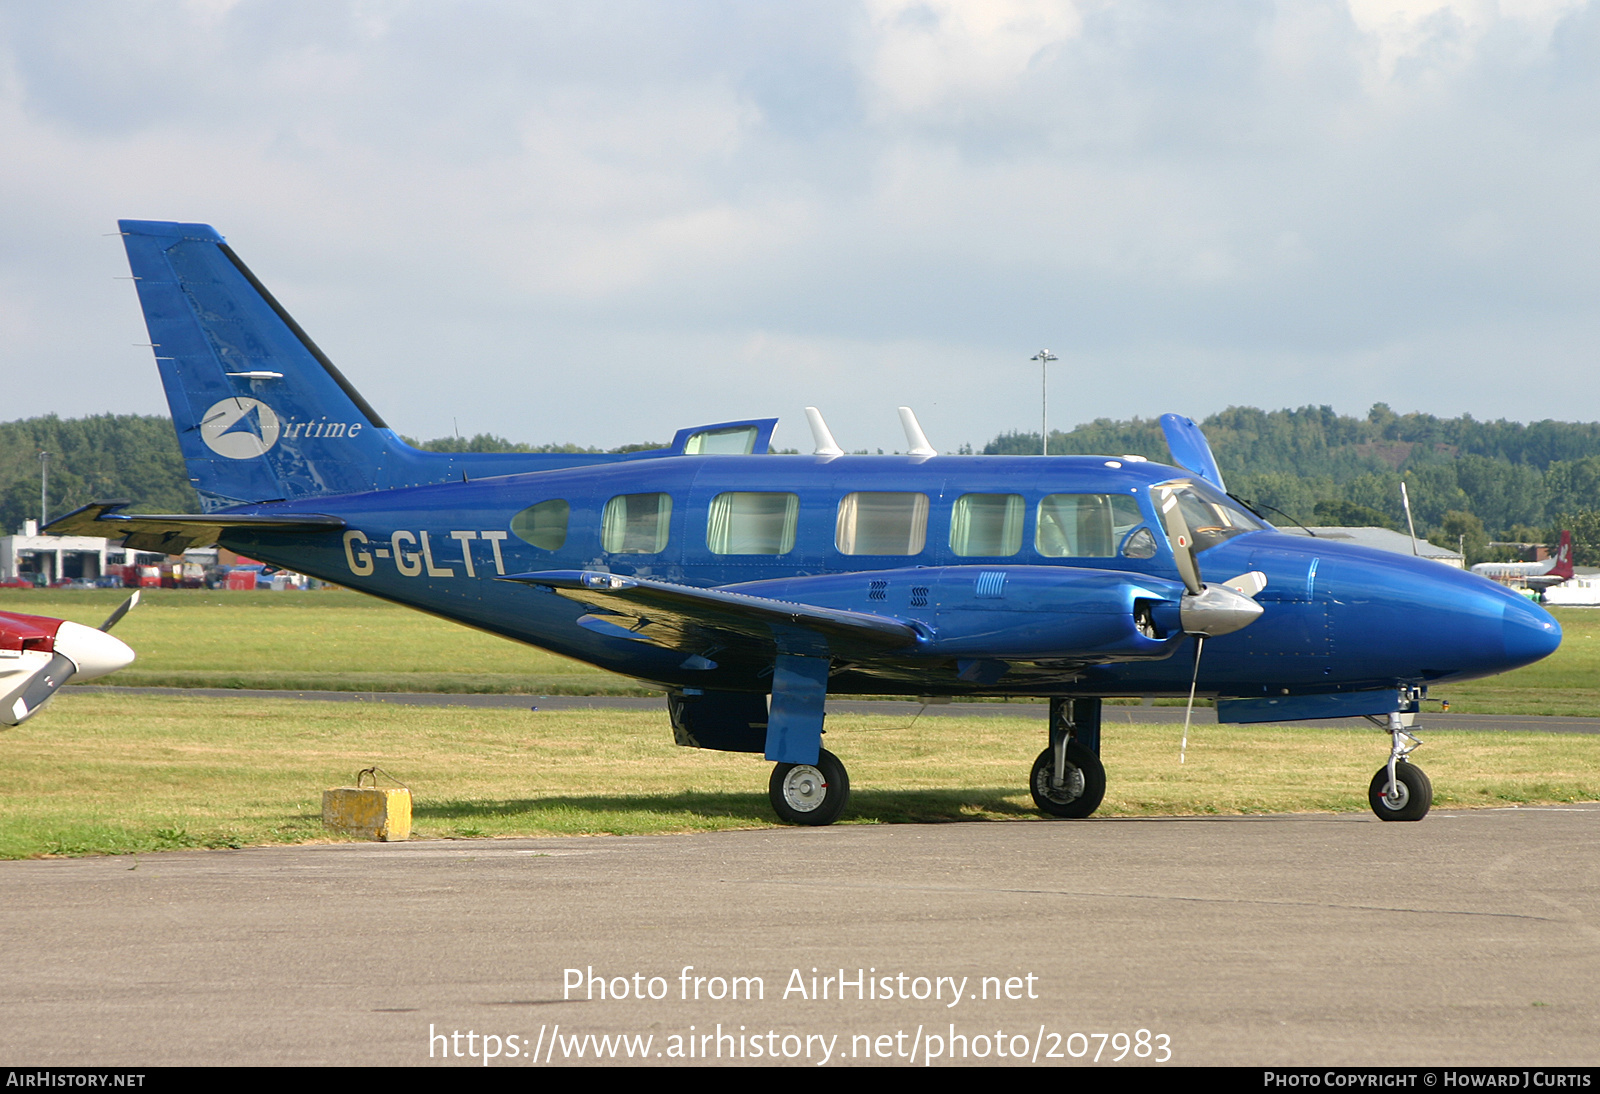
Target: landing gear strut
x=1400 y=791
x=810 y=794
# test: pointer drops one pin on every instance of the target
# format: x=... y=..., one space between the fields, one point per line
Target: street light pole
x=44 y=489
x=1044 y=357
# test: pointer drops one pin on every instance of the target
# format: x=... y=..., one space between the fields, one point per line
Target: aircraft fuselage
x=1337 y=617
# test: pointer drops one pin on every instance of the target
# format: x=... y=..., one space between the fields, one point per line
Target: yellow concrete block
x=368 y=811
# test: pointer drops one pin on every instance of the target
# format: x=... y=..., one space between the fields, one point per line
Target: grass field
x=98 y=773
x=344 y=641
x=327 y=640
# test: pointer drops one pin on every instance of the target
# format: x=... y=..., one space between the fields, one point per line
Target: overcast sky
x=599 y=222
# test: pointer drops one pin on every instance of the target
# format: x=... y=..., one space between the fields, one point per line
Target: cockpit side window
x=1212 y=516
x=1085 y=525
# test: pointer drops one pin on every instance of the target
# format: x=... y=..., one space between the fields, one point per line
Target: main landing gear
x=1068 y=779
x=1400 y=791
x=810 y=794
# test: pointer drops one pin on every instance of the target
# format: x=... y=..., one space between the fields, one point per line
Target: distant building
x=56 y=557
x=1385 y=540
x=62 y=558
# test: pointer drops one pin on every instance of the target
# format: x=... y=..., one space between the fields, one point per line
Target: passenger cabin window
x=986 y=525
x=636 y=524
x=882 y=524
x=746 y=523
x=543 y=525
x=739 y=441
x=1085 y=525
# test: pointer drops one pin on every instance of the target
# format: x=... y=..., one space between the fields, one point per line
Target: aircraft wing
x=174 y=533
x=671 y=615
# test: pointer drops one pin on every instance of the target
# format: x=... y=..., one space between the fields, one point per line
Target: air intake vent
x=992 y=585
x=919 y=596
x=878 y=590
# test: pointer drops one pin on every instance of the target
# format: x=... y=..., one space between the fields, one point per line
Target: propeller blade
x=122 y=609
x=1183 y=552
x=59 y=670
x=1247 y=584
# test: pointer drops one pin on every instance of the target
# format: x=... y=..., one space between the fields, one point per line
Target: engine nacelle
x=1012 y=612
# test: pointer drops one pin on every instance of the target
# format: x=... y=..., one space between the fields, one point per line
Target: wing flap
x=670 y=614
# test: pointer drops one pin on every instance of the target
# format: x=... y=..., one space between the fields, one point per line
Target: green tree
x=1584 y=524
x=109 y=456
x=1464 y=532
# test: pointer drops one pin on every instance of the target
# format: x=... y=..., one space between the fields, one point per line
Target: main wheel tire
x=1083 y=787
x=810 y=794
x=1412 y=798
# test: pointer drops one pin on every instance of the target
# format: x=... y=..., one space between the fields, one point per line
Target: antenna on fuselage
x=1405 y=500
x=826 y=445
x=917 y=439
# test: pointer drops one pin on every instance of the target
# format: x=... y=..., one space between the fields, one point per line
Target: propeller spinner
x=50 y=652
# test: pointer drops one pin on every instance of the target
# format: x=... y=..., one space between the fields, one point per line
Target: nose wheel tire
x=1412 y=796
x=1082 y=787
x=810 y=794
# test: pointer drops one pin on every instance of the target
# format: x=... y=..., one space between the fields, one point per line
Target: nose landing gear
x=1400 y=791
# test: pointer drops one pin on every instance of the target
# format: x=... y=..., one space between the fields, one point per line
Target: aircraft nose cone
x=94 y=652
x=1529 y=633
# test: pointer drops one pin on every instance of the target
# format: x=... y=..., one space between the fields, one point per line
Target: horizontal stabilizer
x=667 y=614
x=174 y=533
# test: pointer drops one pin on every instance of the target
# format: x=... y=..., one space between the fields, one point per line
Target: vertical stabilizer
x=1190 y=450
x=261 y=412
x=1563 y=566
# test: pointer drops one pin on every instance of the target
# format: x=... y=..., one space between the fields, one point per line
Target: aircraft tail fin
x=261 y=412
x=1189 y=448
x=1563 y=566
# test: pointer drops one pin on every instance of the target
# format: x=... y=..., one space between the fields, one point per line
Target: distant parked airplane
x=1535 y=575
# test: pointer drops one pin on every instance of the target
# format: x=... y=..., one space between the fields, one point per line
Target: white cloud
x=481 y=210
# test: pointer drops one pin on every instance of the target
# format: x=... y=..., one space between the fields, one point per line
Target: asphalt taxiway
x=1114 y=713
x=1472 y=937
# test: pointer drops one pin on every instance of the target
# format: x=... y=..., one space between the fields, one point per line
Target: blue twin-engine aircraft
x=751 y=586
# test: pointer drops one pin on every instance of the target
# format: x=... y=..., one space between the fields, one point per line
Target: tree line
x=1468 y=480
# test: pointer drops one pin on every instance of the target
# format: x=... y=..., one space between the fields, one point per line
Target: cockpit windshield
x=1212 y=516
